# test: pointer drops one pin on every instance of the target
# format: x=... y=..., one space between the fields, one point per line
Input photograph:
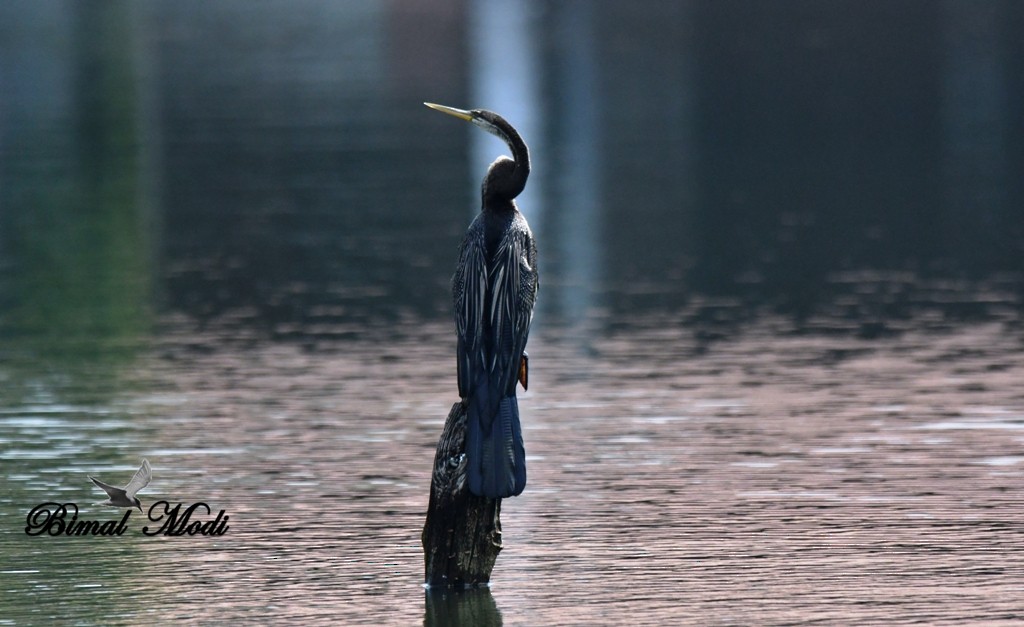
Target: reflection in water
x=473 y=607
x=750 y=155
x=975 y=127
x=576 y=186
x=75 y=259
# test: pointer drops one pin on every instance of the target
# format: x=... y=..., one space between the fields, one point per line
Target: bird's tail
x=496 y=459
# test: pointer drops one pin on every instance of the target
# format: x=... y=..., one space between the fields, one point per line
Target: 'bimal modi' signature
x=52 y=519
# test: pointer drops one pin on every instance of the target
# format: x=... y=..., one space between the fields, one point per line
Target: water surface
x=772 y=476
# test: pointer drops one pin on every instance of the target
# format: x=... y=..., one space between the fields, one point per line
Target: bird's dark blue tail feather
x=496 y=458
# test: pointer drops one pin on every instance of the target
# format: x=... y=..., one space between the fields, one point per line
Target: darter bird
x=493 y=290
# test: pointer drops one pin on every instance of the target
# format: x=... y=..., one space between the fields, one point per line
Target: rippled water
x=777 y=477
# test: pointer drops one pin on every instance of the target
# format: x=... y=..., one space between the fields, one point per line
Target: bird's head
x=137 y=503
x=506 y=177
x=487 y=120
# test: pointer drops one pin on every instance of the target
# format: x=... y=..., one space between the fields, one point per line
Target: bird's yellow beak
x=459 y=113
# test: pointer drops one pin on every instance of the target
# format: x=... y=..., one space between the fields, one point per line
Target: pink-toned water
x=769 y=477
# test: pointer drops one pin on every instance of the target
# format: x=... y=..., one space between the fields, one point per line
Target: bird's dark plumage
x=494 y=290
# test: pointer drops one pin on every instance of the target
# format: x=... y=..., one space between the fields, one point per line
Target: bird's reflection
x=471 y=607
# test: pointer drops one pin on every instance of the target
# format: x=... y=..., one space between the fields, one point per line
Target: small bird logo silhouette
x=125 y=497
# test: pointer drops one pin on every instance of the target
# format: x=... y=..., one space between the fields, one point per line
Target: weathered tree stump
x=462 y=535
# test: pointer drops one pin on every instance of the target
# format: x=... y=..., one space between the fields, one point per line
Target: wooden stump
x=462 y=535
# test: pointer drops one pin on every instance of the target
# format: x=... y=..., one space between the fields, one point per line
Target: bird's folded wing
x=469 y=288
x=513 y=293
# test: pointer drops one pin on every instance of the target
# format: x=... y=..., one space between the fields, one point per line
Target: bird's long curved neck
x=520 y=154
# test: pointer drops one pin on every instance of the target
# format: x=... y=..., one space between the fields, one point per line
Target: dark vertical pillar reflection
x=1012 y=27
x=649 y=149
x=110 y=240
x=574 y=190
x=75 y=301
x=819 y=134
x=78 y=250
x=975 y=132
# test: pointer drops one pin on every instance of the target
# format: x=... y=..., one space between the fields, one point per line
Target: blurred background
x=227 y=230
x=272 y=164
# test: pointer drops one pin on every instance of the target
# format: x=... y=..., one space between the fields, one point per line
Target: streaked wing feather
x=514 y=286
x=141 y=479
x=469 y=287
